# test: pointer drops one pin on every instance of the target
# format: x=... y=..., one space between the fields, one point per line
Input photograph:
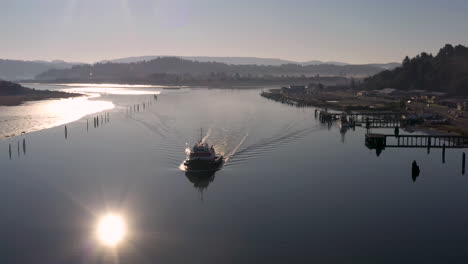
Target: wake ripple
x=265 y=146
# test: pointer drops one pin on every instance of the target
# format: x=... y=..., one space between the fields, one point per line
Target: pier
x=415 y=141
x=362 y=117
x=367 y=119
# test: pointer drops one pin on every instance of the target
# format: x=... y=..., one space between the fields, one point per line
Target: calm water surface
x=291 y=191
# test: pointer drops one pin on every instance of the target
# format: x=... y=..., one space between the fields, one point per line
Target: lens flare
x=111 y=230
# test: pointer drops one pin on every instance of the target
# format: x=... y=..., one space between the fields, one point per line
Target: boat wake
x=236 y=145
x=156 y=128
x=239 y=155
x=228 y=157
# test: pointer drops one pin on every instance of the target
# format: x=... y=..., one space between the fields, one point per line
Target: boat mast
x=201 y=135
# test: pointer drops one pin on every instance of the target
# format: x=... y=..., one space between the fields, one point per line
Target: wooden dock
x=415 y=141
x=367 y=119
x=362 y=117
x=381 y=123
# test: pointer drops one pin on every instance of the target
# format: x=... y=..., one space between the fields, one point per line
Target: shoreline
x=16 y=100
x=6 y=134
x=162 y=86
x=337 y=101
x=340 y=101
x=216 y=83
x=14 y=94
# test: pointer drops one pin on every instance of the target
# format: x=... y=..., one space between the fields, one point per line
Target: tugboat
x=203 y=158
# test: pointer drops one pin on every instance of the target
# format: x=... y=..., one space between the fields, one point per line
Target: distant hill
x=318 y=62
x=18 y=69
x=246 y=61
x=194 y=70
x=446 y=72
x=227 y=60
x=14 y=70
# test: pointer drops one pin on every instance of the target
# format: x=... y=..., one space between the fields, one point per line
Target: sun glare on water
x=111 y=230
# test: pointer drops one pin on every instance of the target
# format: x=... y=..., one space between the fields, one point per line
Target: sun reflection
x=33 y=116
x=110 y=90
x=111 y=230
x=111 y=85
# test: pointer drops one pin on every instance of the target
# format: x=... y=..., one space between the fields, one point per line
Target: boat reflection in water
x=201 y=180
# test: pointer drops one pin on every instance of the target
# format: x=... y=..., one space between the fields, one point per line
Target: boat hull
x=203 y=165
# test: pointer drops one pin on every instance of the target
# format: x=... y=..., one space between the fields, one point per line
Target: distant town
x=424 y=109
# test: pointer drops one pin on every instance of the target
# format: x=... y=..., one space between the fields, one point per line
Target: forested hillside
x=445 y=72
x=193 y=70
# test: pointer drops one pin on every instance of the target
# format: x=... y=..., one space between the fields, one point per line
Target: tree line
x=172 y=67
x=445 y=72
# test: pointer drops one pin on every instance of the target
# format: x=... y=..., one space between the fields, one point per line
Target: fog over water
x=291 y=189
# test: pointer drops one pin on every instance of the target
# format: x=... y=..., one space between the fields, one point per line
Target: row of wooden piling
x=141 y=106
x=18 y=147
x=105 y=118
x=97 y=121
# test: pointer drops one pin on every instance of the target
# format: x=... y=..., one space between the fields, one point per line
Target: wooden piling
x=463 y=163
x=443 y=154
x=428 y=145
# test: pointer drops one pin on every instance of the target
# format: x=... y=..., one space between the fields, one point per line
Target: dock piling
x=463 y=163
x=428 y=145
x=443 y=154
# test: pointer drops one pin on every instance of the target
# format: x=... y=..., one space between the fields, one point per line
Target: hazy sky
x=355 y=31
